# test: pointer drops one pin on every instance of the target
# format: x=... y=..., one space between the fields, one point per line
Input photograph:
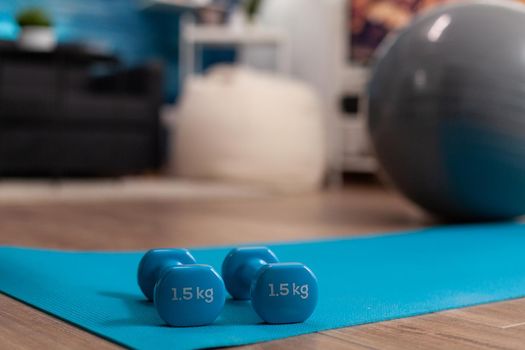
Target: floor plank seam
x=346 y=340
x=512 y=325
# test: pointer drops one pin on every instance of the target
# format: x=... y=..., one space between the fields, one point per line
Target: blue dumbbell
x=185 y=293
x=280 y=292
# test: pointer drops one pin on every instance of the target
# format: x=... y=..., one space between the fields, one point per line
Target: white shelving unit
x=356 y=150
x=194 y=37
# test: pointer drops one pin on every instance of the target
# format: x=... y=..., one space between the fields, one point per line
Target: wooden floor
x=358 y=209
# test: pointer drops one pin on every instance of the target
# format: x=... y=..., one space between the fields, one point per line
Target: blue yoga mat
x=361 y=280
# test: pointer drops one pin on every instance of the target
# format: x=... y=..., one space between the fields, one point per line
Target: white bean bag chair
x=241 y=125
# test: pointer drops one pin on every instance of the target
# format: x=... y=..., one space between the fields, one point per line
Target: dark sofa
x=73 y=111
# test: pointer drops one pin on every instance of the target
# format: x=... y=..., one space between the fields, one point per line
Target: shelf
x=172 y=4
x=223 y=35
x=354 y=79
x=360 y=164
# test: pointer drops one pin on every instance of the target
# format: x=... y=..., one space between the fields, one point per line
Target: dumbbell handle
x=167 y=264
x=250 y=269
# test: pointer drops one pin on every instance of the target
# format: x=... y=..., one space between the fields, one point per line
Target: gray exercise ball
x=447 y=110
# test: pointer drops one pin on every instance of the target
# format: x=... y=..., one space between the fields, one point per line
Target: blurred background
x=268 y=94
